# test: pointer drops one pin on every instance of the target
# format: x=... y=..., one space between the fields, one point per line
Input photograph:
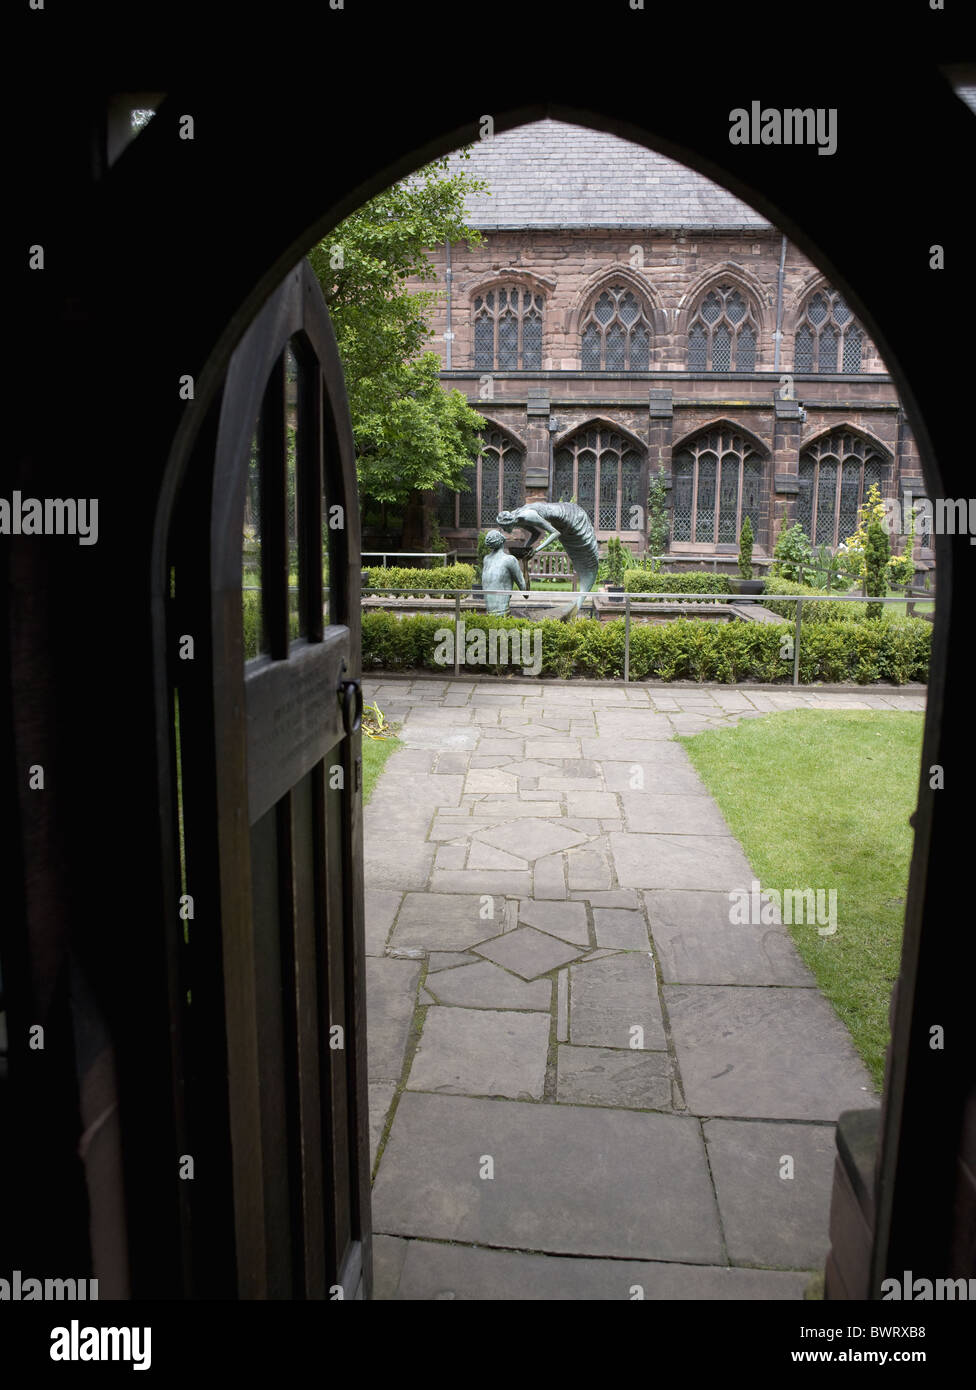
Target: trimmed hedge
x=813 y=612
x=441 y=577
x=685 y=649
x=639 y=581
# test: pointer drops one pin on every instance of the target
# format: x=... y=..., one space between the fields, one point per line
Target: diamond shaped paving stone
x=764 y=1053
x=563 y=919
x=568 y=1179
x=482 y=856
x=769 y=1219
x=482 y=1052
x=532 y=838
x=614 y=1076
x=528 y=952
x=487 y=986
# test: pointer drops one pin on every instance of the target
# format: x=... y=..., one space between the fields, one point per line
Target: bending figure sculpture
x=570 y=524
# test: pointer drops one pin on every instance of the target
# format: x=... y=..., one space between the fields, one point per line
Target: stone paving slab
x=764 y=1053
x=567 y=920
x=567 y=1179
x=528 y=952
x=696 y=943
x=396 y=861
x=620 y=928
x=768 y=1218
x=481 y=1052
x=380 y=909
x=485 y=985
x=426 y=1271
x=614 y=1076
x=672 y=815
x=391 y=988
x=714 y=862
x=381 y=1095
x=442 y=921
x=672 y=778
x=611 y=996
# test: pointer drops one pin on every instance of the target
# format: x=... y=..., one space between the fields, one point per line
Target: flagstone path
x=585 y=1082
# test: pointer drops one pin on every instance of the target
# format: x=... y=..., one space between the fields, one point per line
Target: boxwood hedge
x=686 y=649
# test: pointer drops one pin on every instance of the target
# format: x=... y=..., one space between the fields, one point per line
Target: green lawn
x=375 y=754
x=822 y=800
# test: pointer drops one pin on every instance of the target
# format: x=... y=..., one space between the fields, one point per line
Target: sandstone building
x=625 y=315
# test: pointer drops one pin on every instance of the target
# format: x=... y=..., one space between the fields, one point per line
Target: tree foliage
x=409 y=432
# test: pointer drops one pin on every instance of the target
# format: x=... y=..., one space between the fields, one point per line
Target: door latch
x=351 y=698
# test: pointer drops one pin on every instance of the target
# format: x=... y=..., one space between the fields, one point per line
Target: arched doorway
x=204 y=309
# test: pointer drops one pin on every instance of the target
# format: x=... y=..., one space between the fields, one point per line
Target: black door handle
x=351 y=696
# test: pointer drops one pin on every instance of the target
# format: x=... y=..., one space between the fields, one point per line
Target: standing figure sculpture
x=499 y=570
x=570 y=524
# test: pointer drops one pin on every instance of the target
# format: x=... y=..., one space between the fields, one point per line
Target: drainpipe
x=779 y=306
x=448 y=276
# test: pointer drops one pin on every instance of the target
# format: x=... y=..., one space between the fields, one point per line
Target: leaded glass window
x=602 y=471
x=615 y=332
x=724 y=332
x=827 y=335
x=836 y=472
x=717 y=482
x=495 y=483
x=508 y=330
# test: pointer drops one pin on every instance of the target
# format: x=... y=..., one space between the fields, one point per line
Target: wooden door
x=271 y=1053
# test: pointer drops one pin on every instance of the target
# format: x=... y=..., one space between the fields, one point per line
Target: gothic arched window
x=615 y=333
x=717 y=481
x=836 y=472
x=508 y=330
x=827 y=337
x=495 y=483
x=601 y=470
x=724 y=332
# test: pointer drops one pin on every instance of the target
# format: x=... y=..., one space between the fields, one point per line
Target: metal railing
x=409 y=555
x=736 y=600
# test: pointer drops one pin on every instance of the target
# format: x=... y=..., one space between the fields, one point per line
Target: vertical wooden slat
x=274 y=538
x=309 y=490
x=305 y=908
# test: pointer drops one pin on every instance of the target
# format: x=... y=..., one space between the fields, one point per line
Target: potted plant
x=745 y=584
x=616 y=567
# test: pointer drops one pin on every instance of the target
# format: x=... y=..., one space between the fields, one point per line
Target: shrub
x=616 y=562
x=877 y=551
x=685 y=649
x=812 y=611
x=639 y=579
x=381 y=581
x=791 y=552
x=745 y=549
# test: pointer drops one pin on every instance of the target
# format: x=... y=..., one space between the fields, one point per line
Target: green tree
x=877 y=551
x=745 y=548
x=411 y=435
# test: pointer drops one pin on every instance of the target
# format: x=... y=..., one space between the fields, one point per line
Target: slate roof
x=552 y=175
